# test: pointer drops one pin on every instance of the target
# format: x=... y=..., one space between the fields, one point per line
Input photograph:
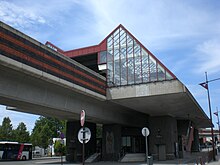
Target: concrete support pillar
x=72 y=143
x=74 y=147
x=183 y=127
x=111 y=141
x=195 y=144
x=163 y=137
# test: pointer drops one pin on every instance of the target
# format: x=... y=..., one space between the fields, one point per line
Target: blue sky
x=183 y=35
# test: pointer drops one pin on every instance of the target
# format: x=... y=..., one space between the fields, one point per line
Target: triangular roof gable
x=105 y=42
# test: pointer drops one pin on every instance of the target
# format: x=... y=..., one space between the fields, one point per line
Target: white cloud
x=157 y=24
x=208 y=54
x=160 y=23
x=26 y=13
x=18 y=16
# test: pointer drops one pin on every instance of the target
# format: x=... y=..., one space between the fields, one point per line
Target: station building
x=136 y=79
x=120 y=84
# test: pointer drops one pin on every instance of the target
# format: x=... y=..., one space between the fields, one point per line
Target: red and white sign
x=82 y=117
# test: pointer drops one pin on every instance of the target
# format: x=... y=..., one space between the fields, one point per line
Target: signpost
x=84 y=134
x=145 y=132
x=62 y=143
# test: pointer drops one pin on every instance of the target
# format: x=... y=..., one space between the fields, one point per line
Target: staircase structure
x=133 y=157
x=93 y=158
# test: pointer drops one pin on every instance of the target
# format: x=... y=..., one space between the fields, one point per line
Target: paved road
x=56 y=161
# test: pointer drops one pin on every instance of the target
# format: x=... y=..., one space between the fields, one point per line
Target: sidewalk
x=217 y=162
x=189 y=160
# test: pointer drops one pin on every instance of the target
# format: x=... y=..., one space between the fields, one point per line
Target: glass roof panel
x=128 y=62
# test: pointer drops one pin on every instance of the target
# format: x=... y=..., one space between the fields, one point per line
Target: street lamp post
x=205 y=85
x=216 y=113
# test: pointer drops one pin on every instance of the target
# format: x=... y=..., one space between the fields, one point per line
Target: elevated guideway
x=23 y=53
x=38 y=80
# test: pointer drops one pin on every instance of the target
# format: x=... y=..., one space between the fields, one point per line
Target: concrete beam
x=37 y=96
x=144 y=90
x=170 y=98
x=15 y=65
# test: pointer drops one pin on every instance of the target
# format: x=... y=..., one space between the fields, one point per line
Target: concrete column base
x=74 y=147
x=111 y=142
x=163 y=137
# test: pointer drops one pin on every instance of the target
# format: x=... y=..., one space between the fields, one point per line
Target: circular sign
x=87 y=136
x=145 y=131
x=82 y=117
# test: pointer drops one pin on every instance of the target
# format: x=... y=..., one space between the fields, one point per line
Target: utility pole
x=206 y=86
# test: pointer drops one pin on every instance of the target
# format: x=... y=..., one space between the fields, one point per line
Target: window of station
x=126 y=141
x=128 y=62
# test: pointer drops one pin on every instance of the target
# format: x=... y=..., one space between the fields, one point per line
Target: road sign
x=82 y=117
x=87 y=135
x=145 y=131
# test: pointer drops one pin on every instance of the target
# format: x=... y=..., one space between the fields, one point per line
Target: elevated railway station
x=120 y=84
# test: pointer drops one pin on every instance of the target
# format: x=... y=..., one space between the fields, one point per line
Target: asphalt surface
x=57 y=161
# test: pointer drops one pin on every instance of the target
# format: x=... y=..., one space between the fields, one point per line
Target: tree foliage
x=7 y=133
x=6 y=130
x=59 y=148
x=45 y=129
x=21 y=134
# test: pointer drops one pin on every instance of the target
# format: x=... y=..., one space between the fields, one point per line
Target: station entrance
x=133 y=144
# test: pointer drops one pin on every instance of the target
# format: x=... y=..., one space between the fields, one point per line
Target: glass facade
x=130 y=63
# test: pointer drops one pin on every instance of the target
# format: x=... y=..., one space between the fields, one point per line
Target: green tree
x=6 y=130
x=45 y=129
x=21 y=134
x=59 y=148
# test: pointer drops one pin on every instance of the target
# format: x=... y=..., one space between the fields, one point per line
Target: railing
x=122 y=153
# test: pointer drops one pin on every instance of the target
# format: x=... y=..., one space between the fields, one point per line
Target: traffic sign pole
x=145 y=132
x=146 y=146
x=85 y=136
x=83 y=156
